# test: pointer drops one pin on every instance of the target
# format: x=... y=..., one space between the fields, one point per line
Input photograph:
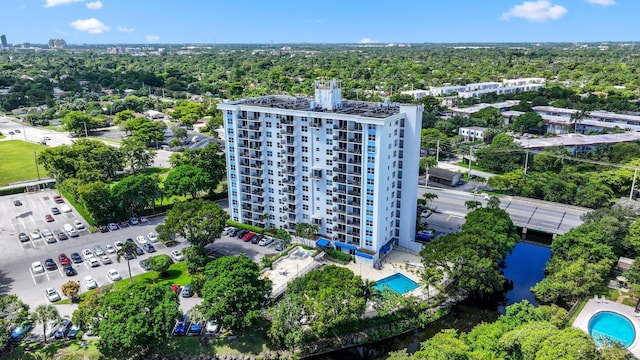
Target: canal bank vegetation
x=523 y=332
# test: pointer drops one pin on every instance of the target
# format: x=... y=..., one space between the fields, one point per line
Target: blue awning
x=384 y=249
x=322 y=243
x=364 y=255
x=346 y=246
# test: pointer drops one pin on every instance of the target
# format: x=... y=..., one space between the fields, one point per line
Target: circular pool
x=610 y=326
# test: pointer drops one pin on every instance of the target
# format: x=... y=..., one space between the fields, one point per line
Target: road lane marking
x=448 y=218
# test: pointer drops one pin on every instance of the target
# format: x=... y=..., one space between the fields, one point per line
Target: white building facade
x=348 y=167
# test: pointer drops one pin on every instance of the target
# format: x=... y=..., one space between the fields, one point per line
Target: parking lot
x=17 y=275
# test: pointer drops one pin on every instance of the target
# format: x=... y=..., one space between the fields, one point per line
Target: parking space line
x=33 y=277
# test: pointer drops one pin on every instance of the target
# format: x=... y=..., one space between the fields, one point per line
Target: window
x=329 y=152
x=369 y=222
x=305 y=197
x=329 y=141
x=372 y=137
x=371 y=148
x=270 y=181
x=305 y=128
x=305 y=178
x=369 y=181
x=329 y=131
x=370 y=192
x=304 y=139
x=305 y=149
x=270 y=172
x=305 y=207
x=370 y=202
x=329 y=163
x=269 y=153
x=305 y=159
x=269 y=134
x=305 y=188
x=269 y=143
x=369 y=233
x=329 y=202
x=371 y=171
x=269 y=123
x=305 y=169
x=270 y=162
x=369 y=212
x=368 y=243
x=272 y=208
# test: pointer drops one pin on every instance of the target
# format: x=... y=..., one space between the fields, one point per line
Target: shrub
x=255 y=229
x=338 y=255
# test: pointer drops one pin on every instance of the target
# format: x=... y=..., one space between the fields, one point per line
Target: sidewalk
x=457 y=168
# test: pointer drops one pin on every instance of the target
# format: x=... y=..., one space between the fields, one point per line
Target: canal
x=524 y=268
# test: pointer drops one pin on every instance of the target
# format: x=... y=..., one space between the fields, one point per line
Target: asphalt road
x=533 y=214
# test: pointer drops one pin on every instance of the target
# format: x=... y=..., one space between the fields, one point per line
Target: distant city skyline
x=330 y=21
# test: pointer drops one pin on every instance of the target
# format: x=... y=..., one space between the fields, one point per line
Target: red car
x=49 y=218
x=58 y=199
x=248 y=236
x=64 y=260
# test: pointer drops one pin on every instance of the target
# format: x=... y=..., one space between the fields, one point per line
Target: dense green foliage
x=233 y=294
x=320 y=304
x=200 y=222
x=468 y=260
x=135 y=319
x=583 y=258
x=12 y=312
x=523 y=332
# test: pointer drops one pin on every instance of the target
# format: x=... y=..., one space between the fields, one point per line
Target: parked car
x=35 y=234
x=232 y=232
x=19 y=332
x=50 y=265
x=89 y=282
x=118 y=245
x=141 y=239
x=103 y=228
x=110 y=249
x=93 y=262
x=17 y=203
x=79 y=225
x=280 y=246
x=50 y=239
x=195 y=329
x=105 y=259
x=58 y=199
x=51 y=327
x=52 y=294
x=113 y=226
x=61 y=333
x=186 y=291
x=241 y=233
x=212 y=328
x=177 y=255
x=76 y=258
x=87 y=253
x=248 y=236
x=133 y=221
x=149 y=248
x=70 y=271
x=256 y=239
x=64 y=260
x=139 y=250
x=73 y=332
x=145 y=264
x=114 y=275
x=266 y=241
x=128 y=256
x=181 y=327
x=70 y=229
x=22 y=237
x=98 y=250
x=152 y=237
x=55 y=211
x=36 y=267
x=65 y=208
x=425 y=213
x=49 y=218
x=143 y=220
x=61 y=235
x=46 y=233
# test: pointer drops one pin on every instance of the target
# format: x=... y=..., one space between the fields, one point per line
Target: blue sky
x=327 y=21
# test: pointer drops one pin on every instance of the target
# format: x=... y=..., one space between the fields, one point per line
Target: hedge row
x=237 y=225
x=338 y=255
x=11 y=191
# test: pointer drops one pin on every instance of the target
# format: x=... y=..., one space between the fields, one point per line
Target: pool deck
x=595 y=306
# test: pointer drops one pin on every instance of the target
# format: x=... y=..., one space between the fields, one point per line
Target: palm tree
x=577 y=117
x=127 y=247
x=493 y=202
x=431 y=278
x=370 y=291
x=428 y=198
x=472 y=204
x=43 y=314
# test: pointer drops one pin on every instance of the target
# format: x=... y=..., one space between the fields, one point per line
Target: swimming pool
x=610 y=325
x=398 y=283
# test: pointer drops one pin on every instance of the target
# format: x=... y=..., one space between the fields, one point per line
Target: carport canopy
x=322 y=243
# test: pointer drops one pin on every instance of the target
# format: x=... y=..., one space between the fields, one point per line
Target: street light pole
x=24 y=132
x=85 y=128
x=35 y=158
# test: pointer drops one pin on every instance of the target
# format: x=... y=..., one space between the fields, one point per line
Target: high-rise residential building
x=349 y=167
x=3 y=40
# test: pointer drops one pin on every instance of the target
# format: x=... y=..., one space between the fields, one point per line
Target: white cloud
x=125 y=29
x=367 y=41
x=540 y=10
x=92 y=26
x=153 y=38
x=52 y=3
x=602 y=2
x=94 y=5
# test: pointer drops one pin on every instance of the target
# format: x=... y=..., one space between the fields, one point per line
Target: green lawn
x=18 y=163
x=177 y=274
x=70 y=350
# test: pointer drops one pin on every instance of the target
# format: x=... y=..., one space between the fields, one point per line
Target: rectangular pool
x=398 y=283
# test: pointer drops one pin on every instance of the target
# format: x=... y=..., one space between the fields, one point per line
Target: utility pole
x=470 y=155
x=526 y=162
x=85 y=129
x=437 y=151
x=633 y=184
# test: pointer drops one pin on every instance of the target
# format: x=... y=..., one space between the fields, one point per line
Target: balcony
x=290 y=190
x=289 y=171
x=290 y=141
x=257 y=174
x=291 y=161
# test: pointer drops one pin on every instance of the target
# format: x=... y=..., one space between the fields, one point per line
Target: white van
x=71 y=230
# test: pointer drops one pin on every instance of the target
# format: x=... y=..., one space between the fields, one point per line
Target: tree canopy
x=200 y=222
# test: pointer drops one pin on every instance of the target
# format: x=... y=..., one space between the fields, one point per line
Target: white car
x=93 y=262
x=177 y=255
x=37 y=267
x=114 y=275
x=110 y=249
x=89 y=282
x=65 y=208
x=35 y=234
x=46 y=233
x=152 y=237
x=426 y=213
x=52 y=294
x=141 y=240
x=87 y=253
x=78 y=224
x=266 y=241
x=105 y=259
x=118 y=244
x=143 y=220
